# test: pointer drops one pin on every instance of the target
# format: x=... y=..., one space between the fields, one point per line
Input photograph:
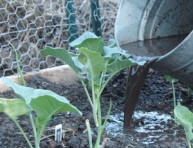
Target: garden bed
x=153 y=125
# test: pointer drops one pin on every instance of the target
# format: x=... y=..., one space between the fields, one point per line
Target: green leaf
x=44 y=102
x=109 y=52
x=47 y=106
x=97 y=62
x=185 y=118
x=141 y=63
x=119 y=65
x=90 y=41
x=111 y=43
x=28 y=94
x=61 y=54
x=13 y=107
x=78 y=63
x=170 y=78
x=79 y=40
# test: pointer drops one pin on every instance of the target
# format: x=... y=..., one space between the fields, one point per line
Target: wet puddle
x=150 y=127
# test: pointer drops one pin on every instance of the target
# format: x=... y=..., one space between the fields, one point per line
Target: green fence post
x=71 y=20
x=95 y=15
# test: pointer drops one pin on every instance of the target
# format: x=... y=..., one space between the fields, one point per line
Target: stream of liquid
x=151 y=49
x=148 y=51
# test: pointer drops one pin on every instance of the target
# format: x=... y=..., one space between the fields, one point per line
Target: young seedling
x=40 y=105
x=95 y=65
x=19 y=70
x=182 y=115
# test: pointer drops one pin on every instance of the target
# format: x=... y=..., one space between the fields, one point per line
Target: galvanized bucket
x=148 y=19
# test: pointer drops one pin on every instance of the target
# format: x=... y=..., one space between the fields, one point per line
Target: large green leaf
x=185 y=118
x=90 y=41
x=47 y=106
x=28 y=94
x=45 y=103
x=98 y=64
x=80 y=39
x=13 y=107
x=61 y=54
x=119 y=65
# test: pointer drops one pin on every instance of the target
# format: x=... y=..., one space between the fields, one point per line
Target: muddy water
x=152 y=127
x=152 y=48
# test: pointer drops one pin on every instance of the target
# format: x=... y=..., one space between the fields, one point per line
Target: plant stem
x=94 y=107
x=92 y=103
x=102 y=126
x=38 y=138
x=189 y=144
x=20 y=74
x=99 y=134
x=34 y=129
x=104 y=85
x=87 y=94
x=99 y=118
x=102 y=79
x=107 y=116
x=174 y=94
x=99 y=110
x=89 y=133
x=23 y=133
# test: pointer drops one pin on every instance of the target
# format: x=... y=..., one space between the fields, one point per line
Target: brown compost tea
x=149 y=51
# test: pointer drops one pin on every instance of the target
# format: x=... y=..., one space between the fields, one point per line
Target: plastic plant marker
x=58 y=133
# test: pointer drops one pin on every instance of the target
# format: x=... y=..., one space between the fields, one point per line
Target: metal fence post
x=95 y=15
x=70 y=14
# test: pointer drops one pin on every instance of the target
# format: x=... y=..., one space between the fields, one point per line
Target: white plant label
x=58 y=133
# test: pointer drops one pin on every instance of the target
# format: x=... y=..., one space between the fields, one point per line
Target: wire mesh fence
x=30 y=25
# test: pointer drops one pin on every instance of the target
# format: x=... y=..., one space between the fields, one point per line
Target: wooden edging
x=60 y=75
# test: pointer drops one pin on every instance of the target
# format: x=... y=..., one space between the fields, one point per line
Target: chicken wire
x=30 y=25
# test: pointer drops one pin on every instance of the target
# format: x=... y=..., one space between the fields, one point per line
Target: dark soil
x=156 y=97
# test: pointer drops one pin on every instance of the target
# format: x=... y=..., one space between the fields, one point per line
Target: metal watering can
x=140 y=20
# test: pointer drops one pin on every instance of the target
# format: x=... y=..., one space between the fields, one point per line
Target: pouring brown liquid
x=149 y=51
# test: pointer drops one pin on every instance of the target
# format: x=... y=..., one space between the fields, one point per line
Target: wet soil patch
x=153 y=124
